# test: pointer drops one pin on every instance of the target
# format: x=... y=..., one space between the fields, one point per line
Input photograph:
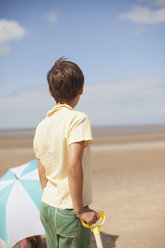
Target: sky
x=119 y=45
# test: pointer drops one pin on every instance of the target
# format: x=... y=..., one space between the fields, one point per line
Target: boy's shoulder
x=71 y=117
x=79 y=115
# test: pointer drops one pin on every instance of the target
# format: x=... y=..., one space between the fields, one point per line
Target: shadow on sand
x=109 y=241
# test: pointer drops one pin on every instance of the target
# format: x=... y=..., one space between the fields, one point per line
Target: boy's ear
x=81 y=91
x=50 y=93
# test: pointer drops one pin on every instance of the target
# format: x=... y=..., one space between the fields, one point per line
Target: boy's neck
x=72 y=103
x=69 y=104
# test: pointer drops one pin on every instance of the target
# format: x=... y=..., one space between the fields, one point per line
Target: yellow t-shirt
x=61 y=127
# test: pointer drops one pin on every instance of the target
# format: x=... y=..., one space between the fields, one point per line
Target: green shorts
x=63 y=229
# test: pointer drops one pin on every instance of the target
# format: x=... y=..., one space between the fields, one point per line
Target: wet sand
x=128 y=184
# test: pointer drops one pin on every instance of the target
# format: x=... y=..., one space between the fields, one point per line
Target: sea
x=96 y=130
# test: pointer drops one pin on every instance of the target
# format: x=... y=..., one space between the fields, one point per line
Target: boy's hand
x=89 y=216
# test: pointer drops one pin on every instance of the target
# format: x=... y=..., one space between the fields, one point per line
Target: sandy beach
x=128 y=184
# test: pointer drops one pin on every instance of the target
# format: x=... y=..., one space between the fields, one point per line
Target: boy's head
x=65 y=80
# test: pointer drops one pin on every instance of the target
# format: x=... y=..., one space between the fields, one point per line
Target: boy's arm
x=75 y=177
x=42 y=174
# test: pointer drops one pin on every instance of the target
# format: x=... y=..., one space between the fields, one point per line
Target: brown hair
x=65 y=80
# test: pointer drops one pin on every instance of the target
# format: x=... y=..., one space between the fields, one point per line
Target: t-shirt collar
x=57 y=108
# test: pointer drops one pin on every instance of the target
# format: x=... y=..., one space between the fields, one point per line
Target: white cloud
x=9 y=30
x=159 y=2
x=51 y=17
x=145 y=15
x=153 y=2
x=25 y=108
x=128 y=101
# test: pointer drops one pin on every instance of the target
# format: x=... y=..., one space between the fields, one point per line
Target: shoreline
x=97 y=130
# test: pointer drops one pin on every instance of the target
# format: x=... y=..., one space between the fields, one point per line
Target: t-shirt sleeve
x=80 y=130
x=35 y=146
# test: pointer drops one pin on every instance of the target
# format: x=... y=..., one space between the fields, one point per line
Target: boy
x=61 y=143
